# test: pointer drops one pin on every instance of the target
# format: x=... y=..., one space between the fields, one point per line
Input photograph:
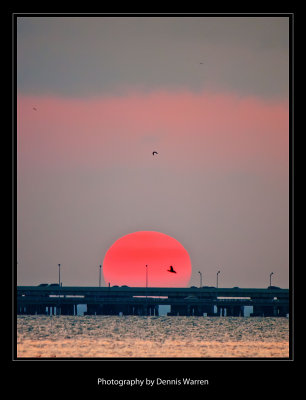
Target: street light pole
x=146 y=309
x=100 y=276
x=271 y=277
x=200 y=278
x=217 y=277
x=59 y=290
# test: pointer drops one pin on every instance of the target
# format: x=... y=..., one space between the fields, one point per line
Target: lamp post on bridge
x=217 y=277
x=100 y=275
x=146 y=309
x=59 y=289
x=271 y=277
x=59 y=275
x=200 y=278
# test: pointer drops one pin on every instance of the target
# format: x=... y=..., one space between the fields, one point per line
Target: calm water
x=134 y=336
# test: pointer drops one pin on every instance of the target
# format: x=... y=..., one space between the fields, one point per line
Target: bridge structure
x=207 y=301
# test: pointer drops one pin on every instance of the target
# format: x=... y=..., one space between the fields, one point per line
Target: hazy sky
x=209 y=94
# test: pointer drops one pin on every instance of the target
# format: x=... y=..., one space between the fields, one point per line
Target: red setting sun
x=125 y=261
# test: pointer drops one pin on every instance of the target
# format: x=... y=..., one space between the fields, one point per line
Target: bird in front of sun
x=154 y=152
x=171 y=270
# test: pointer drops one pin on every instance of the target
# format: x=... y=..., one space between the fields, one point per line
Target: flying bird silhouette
x=154 y=152
x=171 y=270
x=35 y=109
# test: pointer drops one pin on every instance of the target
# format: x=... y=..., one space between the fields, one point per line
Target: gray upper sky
x=82 y=56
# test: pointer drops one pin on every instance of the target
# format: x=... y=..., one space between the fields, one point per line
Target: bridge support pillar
x=221 y=311
x=20 y=310
x=41 y=309
x=264 y=311
x=134 y=309
x=128 y=310
x=148 y=309
x=67 y=309
x=179 y=310
x=30 y=309
x=209 y=310
x=91 y=309
x=235 y=311
x=142 y=309
x=197 y=311
x=283 y=311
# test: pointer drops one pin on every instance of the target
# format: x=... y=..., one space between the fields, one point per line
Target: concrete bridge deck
x=145 y=301
x=154 y=291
